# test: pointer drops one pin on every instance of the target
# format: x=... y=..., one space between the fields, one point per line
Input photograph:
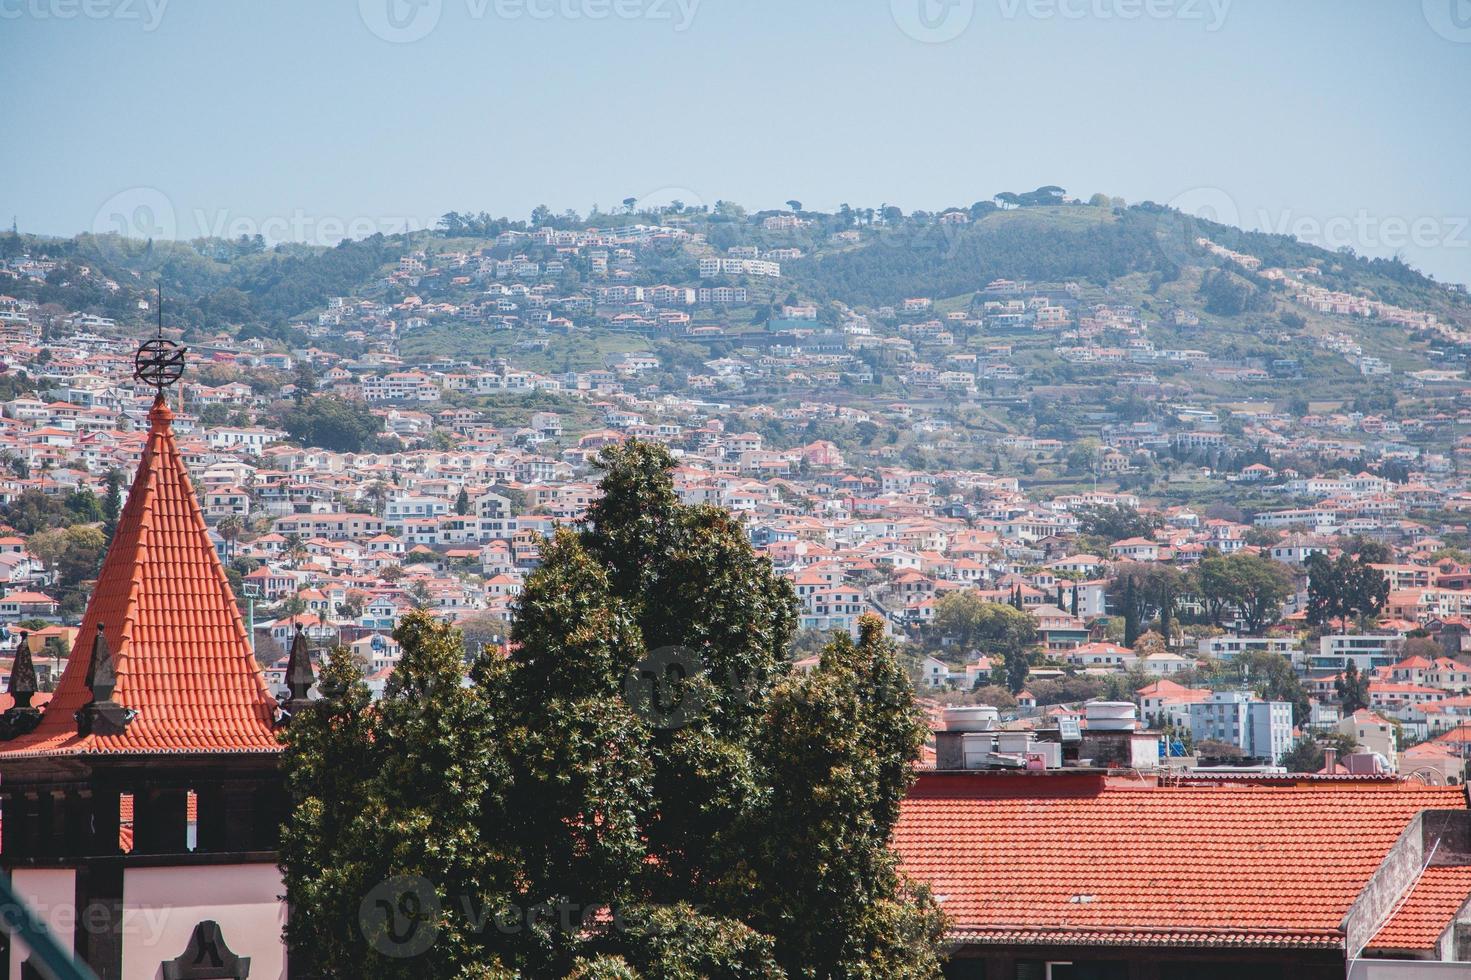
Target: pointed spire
x=20 y=717
x=101 y=673
x=299 y=673
x=170 y=667
x=23 y=674
x=102 y=715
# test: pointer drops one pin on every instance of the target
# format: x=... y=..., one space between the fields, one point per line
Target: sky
x=1347 y=122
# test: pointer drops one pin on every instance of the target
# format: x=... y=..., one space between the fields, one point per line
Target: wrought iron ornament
x=159 y=363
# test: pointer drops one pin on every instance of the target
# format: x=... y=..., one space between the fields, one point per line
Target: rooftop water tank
x=1110 y=716
x=971 y=718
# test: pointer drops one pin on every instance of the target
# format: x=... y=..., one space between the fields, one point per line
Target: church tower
x=139 y=810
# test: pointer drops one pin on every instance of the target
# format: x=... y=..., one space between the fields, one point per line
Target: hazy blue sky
x=1349 y=120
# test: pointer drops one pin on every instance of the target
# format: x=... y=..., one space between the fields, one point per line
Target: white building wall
x=161 y=907
x=51 y=894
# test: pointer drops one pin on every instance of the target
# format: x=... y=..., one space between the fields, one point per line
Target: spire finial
x=101 y=676
x=300 y=676
x=102 y=715
x=20 y=717
x=23 y=673
x=159 y=363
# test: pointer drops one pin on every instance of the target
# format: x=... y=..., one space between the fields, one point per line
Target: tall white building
x=1260 y=729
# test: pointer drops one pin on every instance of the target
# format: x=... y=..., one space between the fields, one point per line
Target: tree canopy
x=642 y=788
x=1254 y=585
x=334 y=423
x=1342 y=588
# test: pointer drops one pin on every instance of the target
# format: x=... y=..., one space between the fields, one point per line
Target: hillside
x=1113 y=316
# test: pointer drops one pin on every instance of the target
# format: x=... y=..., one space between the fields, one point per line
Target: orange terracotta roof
x=1049 y=858
x=182 y=658
x=1428 y=909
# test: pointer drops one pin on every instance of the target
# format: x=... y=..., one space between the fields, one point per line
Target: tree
x=1116 y=522
x=794 y=206
x=230 y=528
x=112 y=501
x=1343 y=587
x=1352 y=688
x=1256 y=586
x=1273 y=678
x=1140 y=591
x=377 y=494
x=1131 y=611
x=1370 y=551
x=642 y=751
x=992 y=626
x=334 y=423
x=389 y=801
x=1306 y=754
x=462 y=503
x=34 y=511
x=294 y=546
x=419 y=595
x=73 y=555
x=306 y=381
x=1017 y=668
x=353 y=603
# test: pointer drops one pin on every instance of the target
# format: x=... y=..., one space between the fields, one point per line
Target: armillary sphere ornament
x=159 y=363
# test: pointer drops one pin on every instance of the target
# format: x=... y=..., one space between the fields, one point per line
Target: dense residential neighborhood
x=1109 y=551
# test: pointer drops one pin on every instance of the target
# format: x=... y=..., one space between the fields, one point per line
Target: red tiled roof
x=182 y=658
x=1049 y=858
x=1427 y=910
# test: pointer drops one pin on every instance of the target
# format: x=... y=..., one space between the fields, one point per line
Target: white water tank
x=971 y=718
x=1110 y=716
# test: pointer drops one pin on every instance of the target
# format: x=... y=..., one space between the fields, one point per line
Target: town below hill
x=1067 y=450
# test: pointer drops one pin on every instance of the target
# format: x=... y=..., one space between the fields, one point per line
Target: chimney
x=1330 y=761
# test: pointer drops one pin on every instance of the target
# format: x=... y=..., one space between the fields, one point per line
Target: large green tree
x=642 y=788
x=1254 y=585
x=1140 y=591
x=994 y=627
x=1343 y=588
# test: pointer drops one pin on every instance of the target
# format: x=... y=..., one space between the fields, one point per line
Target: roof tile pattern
x=1044 y=859
x=182 y=657
x=1428 y=909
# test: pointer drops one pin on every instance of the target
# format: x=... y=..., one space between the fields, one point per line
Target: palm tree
x=377 y=494
x=295 y=546
x=230 y=528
